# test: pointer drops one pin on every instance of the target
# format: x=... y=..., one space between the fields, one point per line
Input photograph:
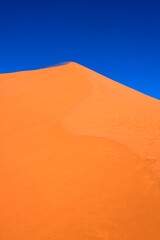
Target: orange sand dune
x=79 y=157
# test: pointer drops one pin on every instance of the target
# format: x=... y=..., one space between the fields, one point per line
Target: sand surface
x=79 y=157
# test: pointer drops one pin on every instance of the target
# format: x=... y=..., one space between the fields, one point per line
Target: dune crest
x=79 y=157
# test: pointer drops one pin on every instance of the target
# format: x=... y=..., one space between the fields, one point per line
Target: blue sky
x=119 y=39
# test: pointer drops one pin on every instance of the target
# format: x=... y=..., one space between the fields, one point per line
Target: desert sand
x=79 y=157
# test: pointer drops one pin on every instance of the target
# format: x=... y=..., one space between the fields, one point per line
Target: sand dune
x=79 y=157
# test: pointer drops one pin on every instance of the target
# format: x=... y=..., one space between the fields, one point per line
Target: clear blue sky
x=119 y=39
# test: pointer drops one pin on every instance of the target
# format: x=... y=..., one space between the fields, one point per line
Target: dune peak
x=79 y=157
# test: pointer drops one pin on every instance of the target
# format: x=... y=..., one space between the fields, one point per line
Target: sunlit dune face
x=79 y=157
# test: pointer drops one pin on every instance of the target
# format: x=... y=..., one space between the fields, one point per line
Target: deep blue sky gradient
x=119 y=39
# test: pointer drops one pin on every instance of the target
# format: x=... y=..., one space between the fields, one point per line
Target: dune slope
x=79 y=157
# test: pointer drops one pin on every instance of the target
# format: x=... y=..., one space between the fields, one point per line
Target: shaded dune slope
x=79 y=157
